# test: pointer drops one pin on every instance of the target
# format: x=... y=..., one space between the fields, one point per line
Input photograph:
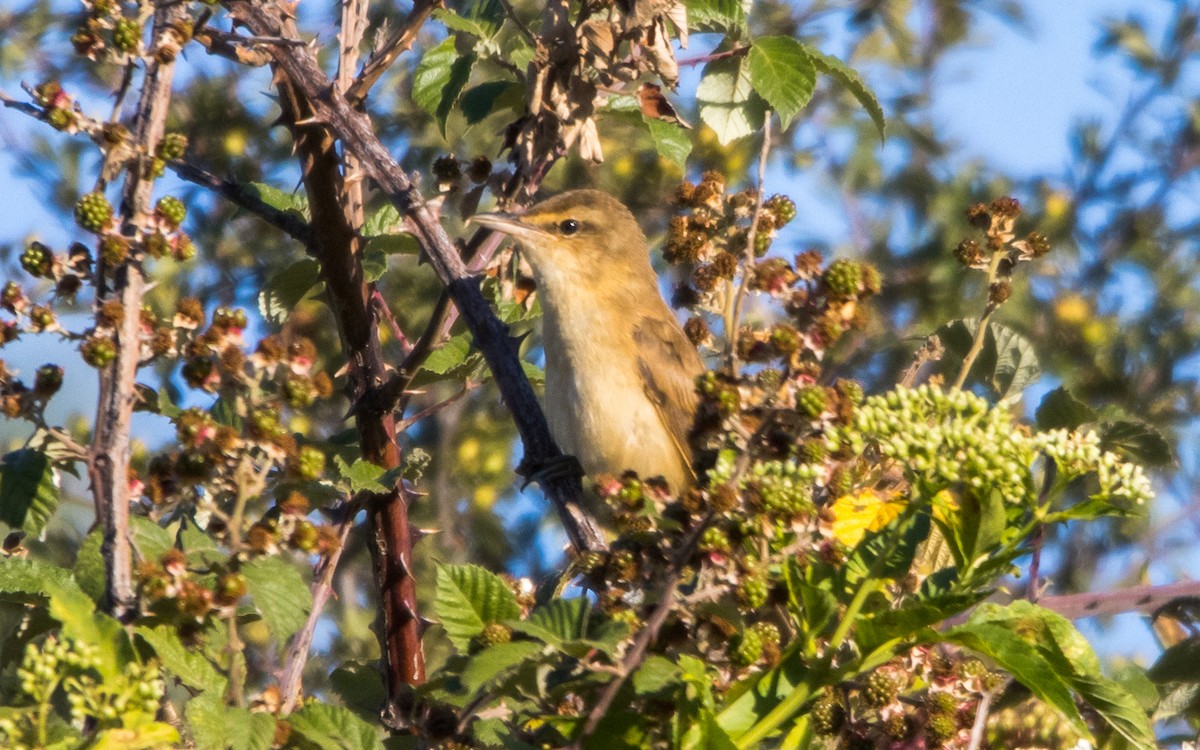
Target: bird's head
x=580 y=234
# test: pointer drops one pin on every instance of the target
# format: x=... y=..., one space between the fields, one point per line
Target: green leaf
x=468 y=598
x=1178 y=663
x=724 y=16
x=1016 y=361
x=188 y=664
x=494 y=661
x=854 y=83
x=32 y=581
x=216 y=726
x=1138 y=441
x=1060 y=409
x=225 y=411
x=360 y=686
x=285 y=290
x=363 y=476
x=480 y=101
x=150 y=542
x=557 y=621
x=279 y=594
x=293 y=202
x=782 y=73
x=28 y=490
x=334 y=728
x=481 y=18
x=656 y=674
x=449 y=355
x=672 y=142
x=727 y=100
x=374 y=262
x=439 y=79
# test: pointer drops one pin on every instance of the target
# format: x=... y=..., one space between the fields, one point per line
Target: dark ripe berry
x=697 y=330
x=126 y=35
x=37 y=260
x=48 y=380
x=978 y=217
x=999 y=292
x=480 y=169
x=98 y=352
x=844 y=278
x=782 y=208
x=172 y=146
x=446 y=169
x=197 y=370
x=1006 y=207
x=171 y=211
x=93 y=212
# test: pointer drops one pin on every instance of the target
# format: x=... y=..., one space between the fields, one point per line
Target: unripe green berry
x=37 y=260
x=172 y=146
x=93 y=212
x=98 y=352
x=811 y=401
x=495 y=632
x=749 y=649
x=126 y=35
x=171 y=211
x=881 y=689
x=844 y=277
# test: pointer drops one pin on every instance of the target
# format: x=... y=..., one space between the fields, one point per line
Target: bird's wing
x=669 y=366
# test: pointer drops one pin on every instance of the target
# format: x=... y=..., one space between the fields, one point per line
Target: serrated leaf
x=374 y=262
x=225 y=411
x=187 y=664
x=557 y=621
x=468 y=598
x=363 y=476
x=656 y=674
x=360 y=686
x=216 y=726
x=293 y=202
x=29 y=490
x=1060 y=409
x=285 y=290
x=334 y=728
x=854 y=83
x=1138 y=441
x=439 y=79
x=726 y=16
x=1016 y=361
x=150 y=542
x=449 y=355
x=279 y=594
x=783 y=74
x=494 y=661
x=727 y=100
x=672 y=142
x=535 y=374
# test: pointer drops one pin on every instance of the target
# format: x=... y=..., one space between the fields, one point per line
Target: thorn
x=423 y=624
x=417 y=534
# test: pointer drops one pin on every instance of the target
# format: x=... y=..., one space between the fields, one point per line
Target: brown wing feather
x=669 y=366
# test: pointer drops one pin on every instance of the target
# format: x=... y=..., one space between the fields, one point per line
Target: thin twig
x=689 y=62
x=382 y=59
x=521 y=27
x=429 y=411
x=245 y=197
x=301 y=644
x=733 y=323
x=981 y=717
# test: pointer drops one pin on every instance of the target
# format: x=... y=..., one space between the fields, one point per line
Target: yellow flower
x=857 y=513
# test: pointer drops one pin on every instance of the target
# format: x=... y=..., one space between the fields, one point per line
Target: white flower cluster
x=946 y=438
x=1079 y=453
x=943 y=439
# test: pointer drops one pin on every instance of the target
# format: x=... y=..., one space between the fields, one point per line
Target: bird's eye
x=568 y=226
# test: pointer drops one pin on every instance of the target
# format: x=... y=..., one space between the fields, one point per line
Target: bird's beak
x=509 y=224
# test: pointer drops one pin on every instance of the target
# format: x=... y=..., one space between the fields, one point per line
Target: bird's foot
x=557 y=468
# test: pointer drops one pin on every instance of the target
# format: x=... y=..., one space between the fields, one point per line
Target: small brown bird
x=620 y=372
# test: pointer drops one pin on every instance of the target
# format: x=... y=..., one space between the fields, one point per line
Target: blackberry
x=749 y=649
x=844 y=277
x=41 y=317
x=754 y=589
x=881 y=689
x=714 y=540
x=782 y=207
x=114 y=249
x=811 y=401
x=446 y=169
x=126 y=35
x=230 y=588
x=939 y=729
x=171 y=211
x=48 y=380
x=310 y=463
x=828 y=716
x=172 y=146
x=37 y=260
x=93 y=212
x=495 y=632
x=98 y=352
x=1038 y=244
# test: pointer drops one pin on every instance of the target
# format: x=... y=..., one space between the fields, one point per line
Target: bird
x=620 y=373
